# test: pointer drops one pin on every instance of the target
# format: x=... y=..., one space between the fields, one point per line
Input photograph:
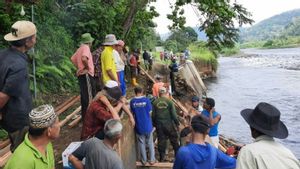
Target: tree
x=171 y=45
x=217 y=20
x=183 y=37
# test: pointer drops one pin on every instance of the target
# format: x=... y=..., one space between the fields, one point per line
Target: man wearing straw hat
x=265 y=152
x=83 y=61
x=36 y=150
x=108 y=66
x=15 y=96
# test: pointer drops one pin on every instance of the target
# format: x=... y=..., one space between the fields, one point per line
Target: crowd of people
x=101 y=77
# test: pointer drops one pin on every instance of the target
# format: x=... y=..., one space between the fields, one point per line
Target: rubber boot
x=134 y=83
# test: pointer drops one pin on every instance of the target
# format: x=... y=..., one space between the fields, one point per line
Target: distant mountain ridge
x=269 y=28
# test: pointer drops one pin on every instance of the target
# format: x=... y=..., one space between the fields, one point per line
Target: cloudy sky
x=260 y=9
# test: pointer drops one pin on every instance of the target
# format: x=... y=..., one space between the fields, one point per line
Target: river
x=272 y=76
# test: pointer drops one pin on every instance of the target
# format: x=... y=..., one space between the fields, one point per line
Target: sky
x=260 y=9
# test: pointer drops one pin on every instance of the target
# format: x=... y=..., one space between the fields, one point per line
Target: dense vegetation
x=61 y=22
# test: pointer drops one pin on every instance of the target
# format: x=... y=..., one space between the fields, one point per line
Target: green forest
x=281 y=30
x=60 y=24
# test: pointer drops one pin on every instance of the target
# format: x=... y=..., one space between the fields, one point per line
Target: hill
x=270 y=28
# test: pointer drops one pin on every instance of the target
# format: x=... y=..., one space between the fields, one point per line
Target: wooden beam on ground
x=4 y=143
x=64 y=103
x=68 y=105
x=69 y=117
x=4 y=158
x=74 y=122
x=157 y=165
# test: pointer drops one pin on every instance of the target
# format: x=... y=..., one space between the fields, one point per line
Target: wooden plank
x=158 y=165
x=74 y=122
x=68 y=105
x=4 y=143
x=64 y=103
x=69 y=117
x=4 y=158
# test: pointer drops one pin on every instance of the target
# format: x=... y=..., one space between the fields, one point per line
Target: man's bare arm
x=75 y=162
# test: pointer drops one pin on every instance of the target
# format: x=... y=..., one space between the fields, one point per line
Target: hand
x=212 y=110
x=82 y=72
x=132 y=121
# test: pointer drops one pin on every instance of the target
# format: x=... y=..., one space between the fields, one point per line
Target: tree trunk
x=135 y=6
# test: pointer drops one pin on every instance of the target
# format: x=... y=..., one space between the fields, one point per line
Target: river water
x=271 y=76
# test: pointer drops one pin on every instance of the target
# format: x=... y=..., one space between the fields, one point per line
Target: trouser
x=17 y=137
x=121 y=78
x=164 y=132
x=146 y=140
x=133 y=71
x=84 y=96
x=172 y=79
x=147 y=65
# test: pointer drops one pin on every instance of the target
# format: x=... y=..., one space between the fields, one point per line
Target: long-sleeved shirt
x=265 y=153
x=164 y=111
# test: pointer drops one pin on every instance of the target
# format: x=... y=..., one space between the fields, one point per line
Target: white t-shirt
x=120 y=65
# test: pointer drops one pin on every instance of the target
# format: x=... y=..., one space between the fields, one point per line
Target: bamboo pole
x=69 y=117
x=68 y=105
x=64 y=103
x=74 y=122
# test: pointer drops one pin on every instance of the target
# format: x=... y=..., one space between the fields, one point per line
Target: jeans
x=121 y=78
x=143 y=141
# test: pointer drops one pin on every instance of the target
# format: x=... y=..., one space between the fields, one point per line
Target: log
x=64 y=103
x=4 y=158
x=74 y=122
x=158 y=165
x=68 y=105
x=4 y=143
x=69 y=117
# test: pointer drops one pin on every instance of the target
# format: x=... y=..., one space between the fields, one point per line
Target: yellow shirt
x=108 y=63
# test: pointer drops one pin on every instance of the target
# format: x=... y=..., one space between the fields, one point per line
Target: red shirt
x=96 y=116
x=133 y=61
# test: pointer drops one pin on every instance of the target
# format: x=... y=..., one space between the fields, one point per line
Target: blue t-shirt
x=141 y=108
x=213 y=129
x=195 y=156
